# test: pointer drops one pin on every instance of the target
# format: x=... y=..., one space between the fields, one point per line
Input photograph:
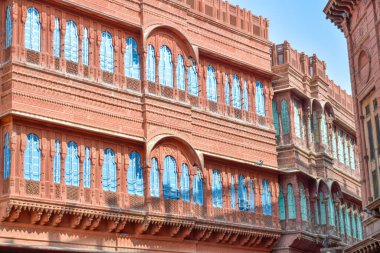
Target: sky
x=304 y=25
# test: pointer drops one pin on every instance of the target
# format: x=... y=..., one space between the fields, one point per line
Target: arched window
x=227 y=90
x=233 y=193
x=266 y=198
x=322 y=208
x=275 y=118
x=135 y=175
x=281 y=204
x=72 y=164
x=297 y=119
x=348 y=223
x=331 y=209
x=57 y=39
x=132 y=59
x=340 y=147
x=185 y=183
x=71 y=41
x=242 y=194
x=85 y=47
x=32 y=158
x=154 y=179
x=170 y=181
x=106 y=52
x=87 y=168
x=109 y=171
x=333 y=140
x=245 y=93
x=33 y=30
x=304 y=213
x=251 y=196
x=353 y=221
x=211 y=85
x=198 y=189
x=192 y=77
x=291 y=202
x=180 y=73
x=341 y=217
x=316 y=212
x=260 y=99
x=151 y=64
x=236 y=93
x=285 y=117
x=315 y=127
x=359 y=226
x=166 y=66
x=7 y=157
x=216 y=187
x=8 y=27
x=325 y=138
x=352 y=154
x=57 y=162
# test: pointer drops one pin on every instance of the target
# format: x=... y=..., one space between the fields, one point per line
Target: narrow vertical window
x=275 y=118
x=333 y=139
x=352 y=154
x=185 y=183
x=71 y=41
x=348 y=222
x=322 y=208
x=8 y=27
x=106 y=52
x=109 y=171
x=72 y=165
x=151 y=64
x=359 y=226
x=198 y=189
x=331 y=208
x=211 y=86
x=7 y=157
x=132 y=59
x=260 y=99
x=325 y=138
x=87 y=168
x=154 y=179
x=32 y=30
x=291 y=202
x=135 y=175
x=227 y=90
x=340 y=147
x=297 y=119
x=85 y=47
x=346 y=151
x=316 y=127
x=170 y=181
x=304 y=213
x=216 y=188
x=251 y=196
x=166 y=67
x=285 y=117
x=193 y=80
x=281 y=204
x=236 y=92
x=233 y=193
x=57 y=162
x=57 y=39
x=266 y=198
x=353 y=222
x=242 y=194
x=32 y=158
x=180 y=73
x=245 y=93
x=341 y=217
x=370 y=140
x=316 y=212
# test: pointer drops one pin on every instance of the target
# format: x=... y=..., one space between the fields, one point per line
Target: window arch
x=281 y=204
x=198 y=189
x=227 y=90
x=275 y=118
x=57 y=162
x=322 y=208
x=242 y=194
x=87 y=168
x=291 y=202
x=211 y=84
x=170 y=181
x=85 y=47
x=260 y=99
x=185 y=183
x=304 y=213
x=33 y=30
x=217 y=195
x=151 y=64
x=266 y=198
x=154 y=179
x=236 y=92
x=57 y=39
x=166 y=66
x=297 y=119
x=7 y=157
x=72 y=164
x=135 y=175
x=32 y=158
x=8 y=27
x=233 y=193
x=71 y=41
x=245 y=93
x=331 y=209
x=109 y=171
x=251 y=196
x=132 y=59
x=285 y=117
x=192 y=77
x=180 y=73
x=106 y=52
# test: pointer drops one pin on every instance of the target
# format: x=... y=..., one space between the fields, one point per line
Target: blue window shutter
x=132 y=59
x=185 y=183
x=211 y=84
x=259 y=99
x=135 y=175
x=32 y=158
x=198 y=189
x=227 y=90
x=7 y=157
x=304 y=212
x=105 y=172
x=154 y=179
x=331 y=210
x=284 y=117
x=57 y=162
x=281 y=204
x=8 y=27
x=87 y=168
x=32 y=30
x=180 y=73
x=85 y=47
x=193 y=80
x=266 y=198
x=72 y=165
x=236 y=94
x=71 y=41
x=109 y=171
x=106 y=53
x=170 y=183
x=322 y=208
x=233 y=193
x=151 y=64
x=246 y=99
x=291 y=202
x=57 y=38
x=251 y=196
x=242 y=194
x=166 y=67
x=275 y=118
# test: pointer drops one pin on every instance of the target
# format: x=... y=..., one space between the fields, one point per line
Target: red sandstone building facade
x=148 y=126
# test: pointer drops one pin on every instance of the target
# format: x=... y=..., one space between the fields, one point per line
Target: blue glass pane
x=109 y=171
x=7 y=157
x=132 y=59
x=166 y=67
x=322 y=208
x=180 y=73
x=135 y=176
x=170 y=181
x=85 y=47
x=281 y=204
x=216 y=189
x=266 y=198
x=151 y=64
x=242 y=194
x=236 y=92
x=275 y=118
x=32 y=29
x=154 y=179
x=193 y=80
x=304 y=212
x=260 y=99
x=211 y=84
x=56 y=39
x=291 y=202
x=246 y=99
x=198 y=189
x=72 y=165
x=57 y=162
x=233 y=193
x=185 y=183
x=227 y=90
x=32 y=158
x=87 y=168
x=285 y=117
x=8 y=27
x=71 y=42
x=106 y=53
